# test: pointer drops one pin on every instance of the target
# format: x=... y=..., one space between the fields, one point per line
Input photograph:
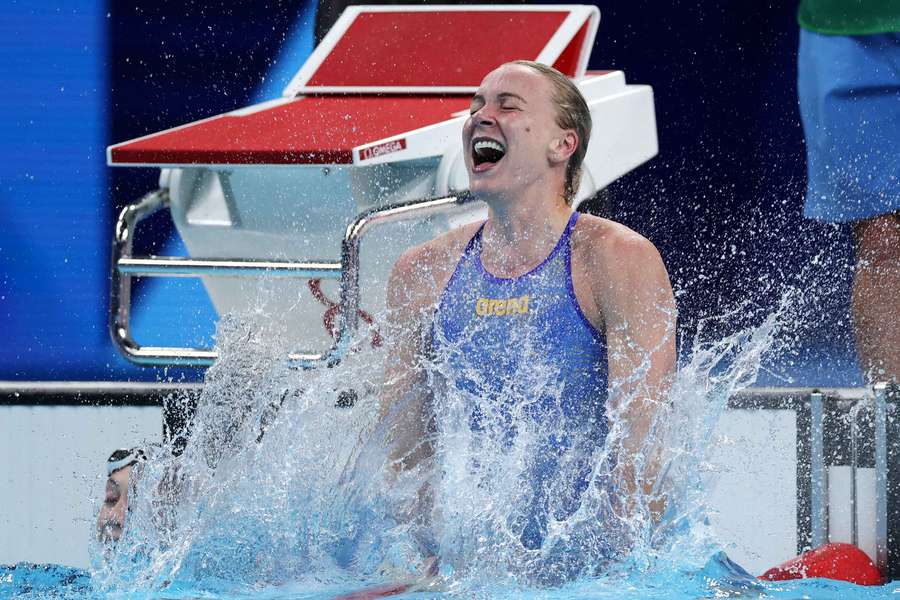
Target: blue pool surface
x=720 y=578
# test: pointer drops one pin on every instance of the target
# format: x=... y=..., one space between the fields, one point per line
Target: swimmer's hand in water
x=427 y=581
x=379 y=591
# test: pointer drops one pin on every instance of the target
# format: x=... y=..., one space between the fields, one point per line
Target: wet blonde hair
x=571 y=113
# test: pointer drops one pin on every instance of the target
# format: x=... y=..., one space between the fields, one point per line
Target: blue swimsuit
x=522 y=355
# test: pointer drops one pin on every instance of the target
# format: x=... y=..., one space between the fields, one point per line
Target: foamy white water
x=279 y=489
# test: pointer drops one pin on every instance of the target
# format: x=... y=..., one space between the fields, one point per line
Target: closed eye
x=113 y=493
x=477 y=103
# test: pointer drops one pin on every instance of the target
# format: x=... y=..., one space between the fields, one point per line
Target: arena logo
x=486 y=307
x=382 y=149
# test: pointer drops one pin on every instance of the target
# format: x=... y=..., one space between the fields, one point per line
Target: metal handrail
x=881 y=476
x=125 y=266
x=875 y=398
x=817 y=471
x=176 y=266
x=853 y=417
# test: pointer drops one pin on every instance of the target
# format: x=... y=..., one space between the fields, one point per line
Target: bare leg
x=876 y=296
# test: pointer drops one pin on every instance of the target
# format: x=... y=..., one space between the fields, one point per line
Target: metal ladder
x=125 y=267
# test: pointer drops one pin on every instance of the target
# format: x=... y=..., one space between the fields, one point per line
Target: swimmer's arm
x=405 y=396
x=405 y=408
x=416 y=282
x=640 y=313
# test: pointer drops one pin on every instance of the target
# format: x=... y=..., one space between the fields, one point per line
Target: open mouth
x=486 y=152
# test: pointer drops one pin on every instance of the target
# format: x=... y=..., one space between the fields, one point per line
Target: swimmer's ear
x=561 y=148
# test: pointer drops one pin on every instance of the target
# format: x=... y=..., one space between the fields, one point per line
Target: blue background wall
x=78 y=76
x=53 y=197
x=722 y=201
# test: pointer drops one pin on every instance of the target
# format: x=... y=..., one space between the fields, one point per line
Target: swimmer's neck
x=522 y=231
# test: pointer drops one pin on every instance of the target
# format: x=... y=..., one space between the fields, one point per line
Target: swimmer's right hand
x=427 y=580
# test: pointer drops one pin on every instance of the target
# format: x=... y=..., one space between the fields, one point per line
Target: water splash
x=280 y=489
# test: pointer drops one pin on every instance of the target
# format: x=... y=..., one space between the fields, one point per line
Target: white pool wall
x=53 y=473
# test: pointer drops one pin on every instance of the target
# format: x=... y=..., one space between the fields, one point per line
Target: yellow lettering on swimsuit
x=499 y=307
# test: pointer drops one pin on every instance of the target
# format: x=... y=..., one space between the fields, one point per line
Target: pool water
x=282 y=494
x=718 y=579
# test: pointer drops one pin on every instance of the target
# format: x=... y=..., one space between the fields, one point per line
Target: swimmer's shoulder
x=607 y=242
x=615 y=252
x=424 y=270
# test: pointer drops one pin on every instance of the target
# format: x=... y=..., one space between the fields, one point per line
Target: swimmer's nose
x=486 y=117
x=487 y=122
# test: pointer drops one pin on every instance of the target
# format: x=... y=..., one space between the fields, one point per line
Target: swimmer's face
x=111 y=520
x=511 y=139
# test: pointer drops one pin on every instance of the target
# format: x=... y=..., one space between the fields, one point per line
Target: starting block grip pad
x=425 y=49
x=381 y=71
x=442 y=48
x=305 y=130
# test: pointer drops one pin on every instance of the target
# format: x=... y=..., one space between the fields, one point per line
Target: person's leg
x=876 y=296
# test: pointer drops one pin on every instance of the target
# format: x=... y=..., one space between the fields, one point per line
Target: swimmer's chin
x=487 y=193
